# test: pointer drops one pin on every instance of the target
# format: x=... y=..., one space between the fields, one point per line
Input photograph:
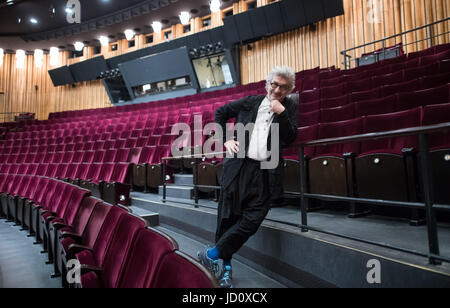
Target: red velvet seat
x=334 y=102
x=308 y=119
x=64 y=216
x=364 y=95
x=178 y=270
x=149 y=248
x=380 y=171
x=405 y=86
x=439 y=144
x=115 y=257
x=438 y=95
x=376 y=106
x=328 y=168
x=116 y=189
x=337 y=114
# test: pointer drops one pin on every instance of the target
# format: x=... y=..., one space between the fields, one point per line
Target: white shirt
x=258 y=140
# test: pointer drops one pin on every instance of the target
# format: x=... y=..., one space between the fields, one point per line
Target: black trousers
x=243 y=206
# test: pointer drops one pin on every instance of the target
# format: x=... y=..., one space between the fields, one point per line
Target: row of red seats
x=157 y=123
x=313 y=79
x=422 y=80
x=393 y=103
x=428 y=115
x=26 y=146
x=228 y=94
x=376 y=93
x=109 y=181
x=115 y=248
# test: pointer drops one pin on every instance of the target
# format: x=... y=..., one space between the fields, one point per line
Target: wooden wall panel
x=364 y=21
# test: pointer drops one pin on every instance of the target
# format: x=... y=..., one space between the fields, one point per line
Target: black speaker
x=258 y=22
x=274 y=18
x=333 y=8
x=89 y=69
x=314 y=11
x=61 y=76
x=231 y=32
x=244 y=26
x=293 y=14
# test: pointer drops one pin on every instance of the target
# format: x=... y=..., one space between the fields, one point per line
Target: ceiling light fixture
x=33 y=20
x=157 y=26
x=185 y=17
x=215 y=5
x=129 y=34
x=79 y=46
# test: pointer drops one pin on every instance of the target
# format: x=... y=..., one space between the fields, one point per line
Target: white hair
x=284 y=72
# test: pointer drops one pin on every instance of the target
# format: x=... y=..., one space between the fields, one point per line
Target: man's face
x=278 y=89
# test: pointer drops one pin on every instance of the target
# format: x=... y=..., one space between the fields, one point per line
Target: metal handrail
x=428 y=204
x=429 y=38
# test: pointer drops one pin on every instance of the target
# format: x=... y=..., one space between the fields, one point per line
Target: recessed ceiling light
x=33 y=20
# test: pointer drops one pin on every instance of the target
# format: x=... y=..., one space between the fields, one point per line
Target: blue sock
x=213 y=253
x=227 y=263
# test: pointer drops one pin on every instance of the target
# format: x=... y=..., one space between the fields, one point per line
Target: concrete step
x=151 y=217
x=184 y=179
x=177 y=192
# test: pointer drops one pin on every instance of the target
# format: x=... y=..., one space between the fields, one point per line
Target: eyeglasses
x=283 y=87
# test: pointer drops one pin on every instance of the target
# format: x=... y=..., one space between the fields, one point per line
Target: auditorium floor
x=243 y=275
x=21 y=263
x=391 y=231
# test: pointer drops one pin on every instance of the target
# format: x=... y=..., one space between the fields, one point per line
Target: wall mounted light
x=54 y=56
x=104 y=40
x=185 y=17
x=79 y=46
x=157 y=26
x=20 y=58
x=215 y=5
x=129 y=34
x=38 y=57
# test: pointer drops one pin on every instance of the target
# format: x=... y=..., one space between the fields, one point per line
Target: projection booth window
x=162 y=86
x=213 y=71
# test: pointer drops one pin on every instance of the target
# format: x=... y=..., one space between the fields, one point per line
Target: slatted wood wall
x=301 y=49
x=364 y=21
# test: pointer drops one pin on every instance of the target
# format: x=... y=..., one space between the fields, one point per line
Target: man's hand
x=232 y=146
x=277 y=107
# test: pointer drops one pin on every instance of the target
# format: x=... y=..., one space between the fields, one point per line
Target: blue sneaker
x=225 y=277
x=210 y=264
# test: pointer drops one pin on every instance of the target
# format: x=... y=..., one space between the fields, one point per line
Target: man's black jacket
x=245 y=111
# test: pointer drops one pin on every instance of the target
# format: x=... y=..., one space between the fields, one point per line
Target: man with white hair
x=245 y=196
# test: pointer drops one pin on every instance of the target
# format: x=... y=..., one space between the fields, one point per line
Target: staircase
x=182 y=192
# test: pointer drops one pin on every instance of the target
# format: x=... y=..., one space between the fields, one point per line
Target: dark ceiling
x=98 y=17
